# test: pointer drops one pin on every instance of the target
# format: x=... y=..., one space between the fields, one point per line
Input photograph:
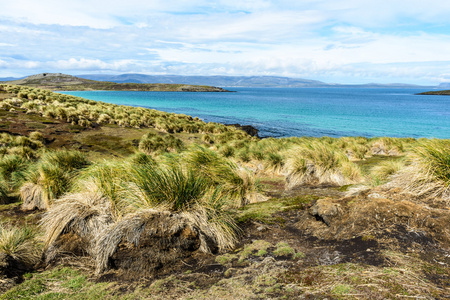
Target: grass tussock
x=320 y=163
x=429 y=170
x=387 y=168
x=160 y=234
x=182 y=190
x=105 y=178
x=84 y=214
x=153 y=202
x=169 y=186
x=163 y=235
x=388 y=146
x=19 y=244
x=50 y=178
x=239 y=182
x=12 y=171
x=26 y=147
x=152 y=143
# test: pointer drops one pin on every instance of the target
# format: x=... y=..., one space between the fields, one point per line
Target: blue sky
x=340 y=41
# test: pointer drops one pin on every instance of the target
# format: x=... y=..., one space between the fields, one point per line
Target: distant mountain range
x=226 y=81
x=444 y=85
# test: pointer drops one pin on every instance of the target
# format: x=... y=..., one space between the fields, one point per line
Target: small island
x=440 y=93
x=64 y=82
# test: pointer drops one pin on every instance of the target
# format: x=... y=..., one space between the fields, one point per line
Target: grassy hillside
x=63 y=82
x=102 y=200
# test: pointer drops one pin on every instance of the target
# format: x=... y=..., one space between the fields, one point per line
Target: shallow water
x=283 y=112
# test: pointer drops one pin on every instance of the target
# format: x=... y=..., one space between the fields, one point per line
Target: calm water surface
x=283 y=112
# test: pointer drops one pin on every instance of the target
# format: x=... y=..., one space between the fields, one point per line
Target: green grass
x=59 y=283
x=53 y=176
x=13 y=170
x=264 y=211
x=283 y=249
x=171 y=186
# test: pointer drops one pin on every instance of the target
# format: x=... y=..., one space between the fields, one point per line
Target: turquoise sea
x=283 y=112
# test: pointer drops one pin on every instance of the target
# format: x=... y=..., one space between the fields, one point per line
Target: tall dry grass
x=429 y=171
x=319 y=163
x=387 y=168
x=20 y=244
x=85 y=214
x=50 y=178
x=106 y=178
x=240 y=183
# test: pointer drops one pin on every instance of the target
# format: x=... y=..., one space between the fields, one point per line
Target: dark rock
x=326 y=210
x=246 y=128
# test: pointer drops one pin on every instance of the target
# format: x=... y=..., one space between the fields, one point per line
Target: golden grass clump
x=107 y=179
x=388 y=146
x=240 y=183
x=172 y=187
x=152 y=143
x=165 y=209
x=81 y=216
x=429 y=171
x=23 y=146
x=319 y=163
x=50 y=178
x=168 y=229
x=19 y=248
x=145 y=240
x=387 y=168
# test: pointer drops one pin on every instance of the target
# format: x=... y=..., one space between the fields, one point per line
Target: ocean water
x=284 y=112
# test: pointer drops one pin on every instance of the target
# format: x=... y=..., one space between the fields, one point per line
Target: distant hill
x=223 y=81
x=64 y=82
x=444 y=85
x=10 y=78
x=51 y=79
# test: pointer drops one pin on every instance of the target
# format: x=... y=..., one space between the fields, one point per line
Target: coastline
x=316 y=112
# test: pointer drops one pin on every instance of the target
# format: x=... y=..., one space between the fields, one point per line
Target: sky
x=335 y=41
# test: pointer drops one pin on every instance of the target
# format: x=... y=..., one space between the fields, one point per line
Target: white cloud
x=330 y=40
x=111 y=13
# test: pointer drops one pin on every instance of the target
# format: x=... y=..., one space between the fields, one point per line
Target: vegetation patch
x=200 y=210
x=265 y=212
